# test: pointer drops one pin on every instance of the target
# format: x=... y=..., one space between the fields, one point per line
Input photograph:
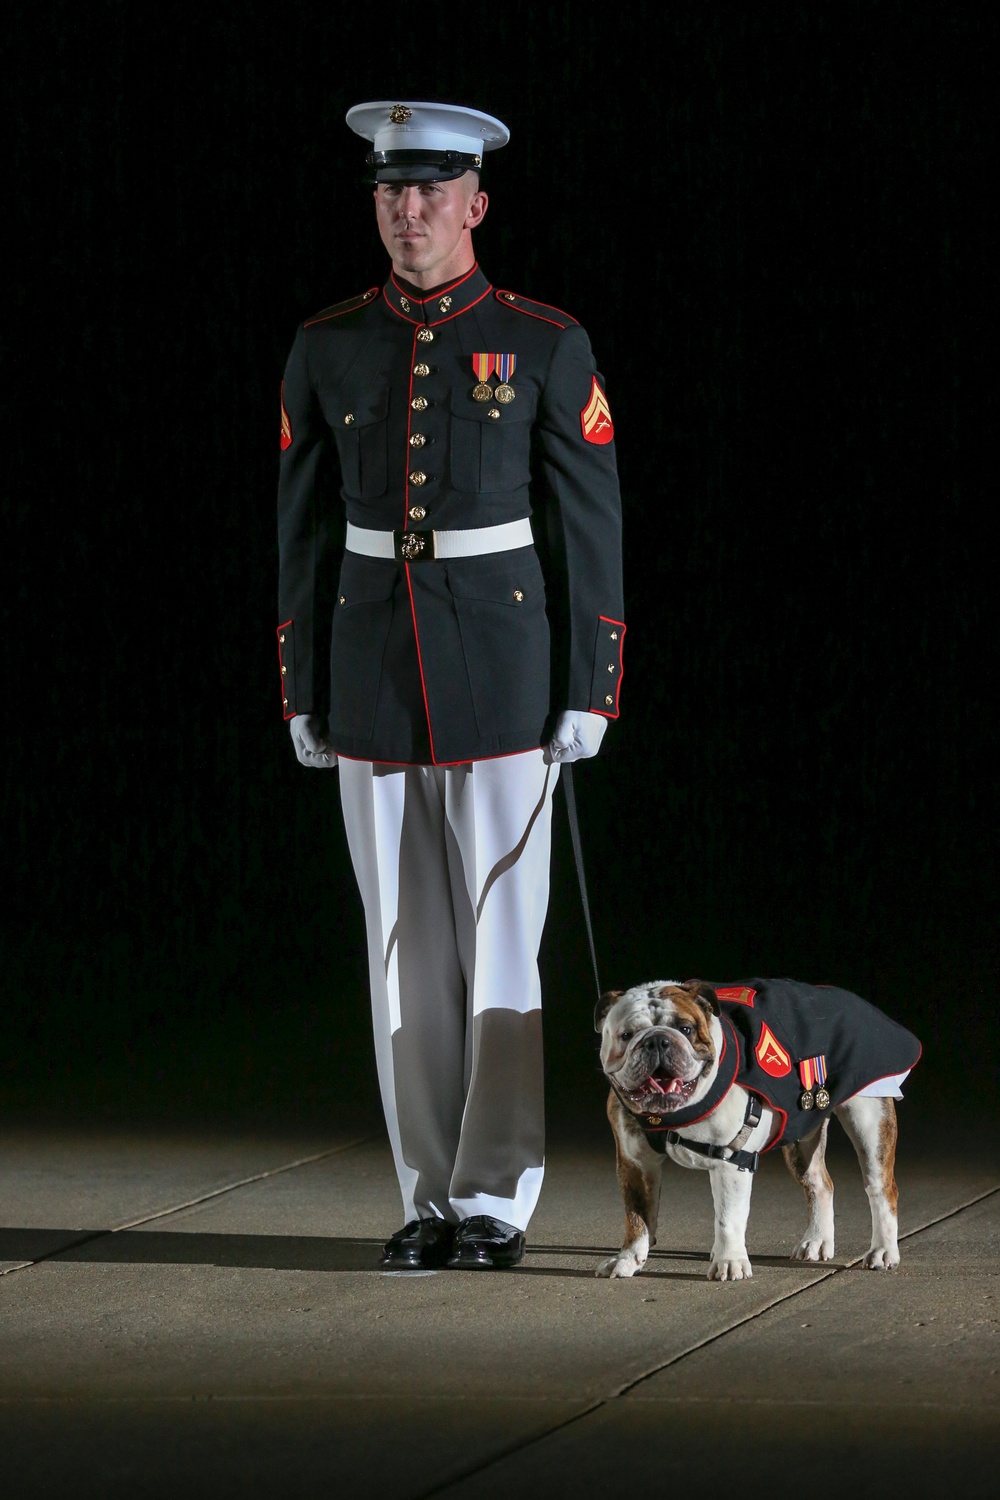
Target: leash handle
x=566 y=776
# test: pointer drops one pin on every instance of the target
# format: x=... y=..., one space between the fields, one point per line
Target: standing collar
x=443 y=303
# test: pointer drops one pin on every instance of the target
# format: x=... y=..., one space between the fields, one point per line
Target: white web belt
x=425 y=546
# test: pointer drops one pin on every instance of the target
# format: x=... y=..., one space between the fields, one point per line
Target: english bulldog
x=714 y=1076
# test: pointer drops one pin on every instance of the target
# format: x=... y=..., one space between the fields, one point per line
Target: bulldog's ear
x=603 y=1006
x=703 y=994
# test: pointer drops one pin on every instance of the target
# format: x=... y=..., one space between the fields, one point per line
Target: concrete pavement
x=201 y=1313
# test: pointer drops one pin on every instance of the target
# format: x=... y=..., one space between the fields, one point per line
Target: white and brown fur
x=681 y=1023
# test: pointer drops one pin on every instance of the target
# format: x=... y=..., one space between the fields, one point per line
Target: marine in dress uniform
x=451 y=632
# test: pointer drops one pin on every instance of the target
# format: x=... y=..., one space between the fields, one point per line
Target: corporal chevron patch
x=595 y=419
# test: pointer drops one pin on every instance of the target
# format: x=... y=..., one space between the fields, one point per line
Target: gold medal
x=822 y=1099
x=482 y=392
x=505 y=393
x=806 y=1100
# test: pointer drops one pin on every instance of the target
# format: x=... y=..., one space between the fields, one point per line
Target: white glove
x=311 y=747
x=577 y=736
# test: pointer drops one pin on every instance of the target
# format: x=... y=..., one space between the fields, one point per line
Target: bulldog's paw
x=624 y=1263
x=814 y=1248
x=881 y=1258
x=730 y=1268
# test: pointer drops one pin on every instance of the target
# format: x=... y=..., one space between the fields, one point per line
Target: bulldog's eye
x=686 y=1030
x=626 y=1036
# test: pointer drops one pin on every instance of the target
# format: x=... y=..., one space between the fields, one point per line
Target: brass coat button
x=609 y=700
x=611 y=666
x=417 y=440
x=425 y=336
x=518 y=595
x=343 y=599
x=614 y=635
x=418 y=477
x=284 y=671
x=494 y=412
x=349 y=419
x=421 y=369
x=281 y=638
x=507 y=296
x=419 y=403
x=284 y=702
x=417 y=513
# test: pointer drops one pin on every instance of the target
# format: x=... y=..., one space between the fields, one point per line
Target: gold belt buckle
x=414 y=546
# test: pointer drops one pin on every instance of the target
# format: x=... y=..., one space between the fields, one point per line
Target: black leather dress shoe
x=485 y=1244
x=421 y=1245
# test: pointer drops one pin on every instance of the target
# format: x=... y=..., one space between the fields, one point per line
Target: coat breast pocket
x=361 y=620
x=491 y=444
x=500 y=604
x=359 y=425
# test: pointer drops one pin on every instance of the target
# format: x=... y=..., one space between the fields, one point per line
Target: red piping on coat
x=281 y=673
x=420 y=663
x=607 y=713
x=540 y=316
x=358 y=302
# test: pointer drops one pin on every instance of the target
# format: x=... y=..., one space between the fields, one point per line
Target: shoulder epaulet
x=340 y=308
x=542 y=310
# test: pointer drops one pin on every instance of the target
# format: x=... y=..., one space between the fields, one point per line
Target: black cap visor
x=420 y=166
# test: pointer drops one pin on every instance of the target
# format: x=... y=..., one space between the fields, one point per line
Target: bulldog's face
x=659 y=1043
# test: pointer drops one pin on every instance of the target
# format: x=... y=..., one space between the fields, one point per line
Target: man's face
x=427 y=226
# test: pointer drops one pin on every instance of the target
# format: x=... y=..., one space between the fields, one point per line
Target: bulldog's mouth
x=662 y=1089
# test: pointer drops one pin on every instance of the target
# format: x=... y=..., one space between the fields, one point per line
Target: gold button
x=609 y=700
x=343 y=599
x=370 y=294
x=518 y=595
x=507 y=296
x=614 y=635
x=417 y=513
x=419 y=403
x=349 y=419
x=417 y=440
x=444 y=304
x=284 y=702
x=421 y=369
x=425 y=336
x=283 y=671
x=281 y=638
x=418 y=477
x=611 y=666
x=494 y=412
x=404 y=304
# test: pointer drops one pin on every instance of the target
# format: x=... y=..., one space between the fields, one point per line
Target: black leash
x=566 y=776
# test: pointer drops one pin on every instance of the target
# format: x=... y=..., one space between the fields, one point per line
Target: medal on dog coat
x=779 y=1033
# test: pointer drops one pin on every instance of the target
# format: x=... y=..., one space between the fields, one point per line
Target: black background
x=775 y=225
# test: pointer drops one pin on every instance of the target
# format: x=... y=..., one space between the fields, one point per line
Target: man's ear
x=603 y=1006
x=476 y=211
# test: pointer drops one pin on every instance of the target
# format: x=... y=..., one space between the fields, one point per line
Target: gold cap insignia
x=399 y=114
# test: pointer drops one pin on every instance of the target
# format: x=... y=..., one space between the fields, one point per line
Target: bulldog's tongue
x=667 y=1085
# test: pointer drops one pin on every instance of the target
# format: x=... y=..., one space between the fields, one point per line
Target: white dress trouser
x=453 y=867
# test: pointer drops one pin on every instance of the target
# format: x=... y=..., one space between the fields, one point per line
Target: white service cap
x=414 y=142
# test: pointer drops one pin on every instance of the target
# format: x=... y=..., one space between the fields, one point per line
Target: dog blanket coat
x=776 y=1024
